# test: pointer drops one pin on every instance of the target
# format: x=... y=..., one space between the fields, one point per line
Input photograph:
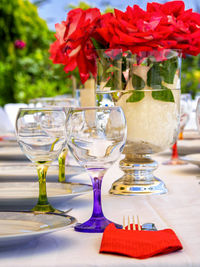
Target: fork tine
x=134 y=223
x=124 y=222
x=129 y=226
x=139 y=226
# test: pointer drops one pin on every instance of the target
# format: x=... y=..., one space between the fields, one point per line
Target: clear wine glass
x=96 y=137
x=66 y=102
x=198 y=115
x=41 y=134
x=185 y=110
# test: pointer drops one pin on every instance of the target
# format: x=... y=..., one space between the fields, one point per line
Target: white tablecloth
x=179 y=209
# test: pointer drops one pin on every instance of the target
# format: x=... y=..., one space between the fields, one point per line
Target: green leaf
x=169 y=68
x=136 y=96
x=123 y=81
x=154 y=76
x=137 y=82
x=124 y=64
x=162 y=71
x=96 y=44
x=115 y=96
x=163 y=95
x=112 y=69
x=109 y=83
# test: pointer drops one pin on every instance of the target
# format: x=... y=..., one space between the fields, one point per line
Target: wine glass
x=198 y=115
x=41 y=134
x=61 y=102
x=185 y=110
x=96 y=137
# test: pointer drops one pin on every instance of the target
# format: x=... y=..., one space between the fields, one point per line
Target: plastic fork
x=133 y=223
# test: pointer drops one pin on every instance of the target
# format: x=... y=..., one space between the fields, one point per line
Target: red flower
x=134 y=30
x=160 y=27
x=185 y=25
x=73 y=47
x=19 y=44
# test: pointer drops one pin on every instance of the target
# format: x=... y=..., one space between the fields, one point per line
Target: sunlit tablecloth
x=179 y=210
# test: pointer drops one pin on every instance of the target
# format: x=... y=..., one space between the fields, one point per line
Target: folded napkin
x=139 y=244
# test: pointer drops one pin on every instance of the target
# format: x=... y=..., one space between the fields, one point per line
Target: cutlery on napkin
x=139 y=244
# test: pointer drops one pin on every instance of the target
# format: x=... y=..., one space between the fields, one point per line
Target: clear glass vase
x=149 y=94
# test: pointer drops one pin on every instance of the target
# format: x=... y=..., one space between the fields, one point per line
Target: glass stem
x=61 y=162
x=174 y=151
x=97 y=208
x=42 y=172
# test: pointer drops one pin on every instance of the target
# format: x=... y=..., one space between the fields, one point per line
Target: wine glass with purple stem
x=96 y=137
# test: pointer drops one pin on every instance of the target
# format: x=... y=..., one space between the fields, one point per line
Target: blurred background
x=26 y=31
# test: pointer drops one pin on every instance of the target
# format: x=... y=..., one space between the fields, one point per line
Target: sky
x=55 y=11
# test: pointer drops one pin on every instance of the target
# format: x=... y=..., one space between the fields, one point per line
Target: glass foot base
x=175 y=161
x=153 y=187
x=45 y=208
x=94 y=225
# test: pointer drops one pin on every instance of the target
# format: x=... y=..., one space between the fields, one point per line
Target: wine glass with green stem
x=66 y=102
x=41 y=134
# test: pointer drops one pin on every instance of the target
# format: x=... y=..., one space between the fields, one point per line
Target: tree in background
x=25 y=69
x=82 y=5
x=190 y=78
x=85 y=5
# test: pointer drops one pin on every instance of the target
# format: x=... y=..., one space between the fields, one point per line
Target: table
x=179 y=210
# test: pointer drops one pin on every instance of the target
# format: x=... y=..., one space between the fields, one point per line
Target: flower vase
x=150 y=97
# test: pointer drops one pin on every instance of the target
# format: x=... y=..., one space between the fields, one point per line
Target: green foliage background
x=190 y=78
x=27 y=73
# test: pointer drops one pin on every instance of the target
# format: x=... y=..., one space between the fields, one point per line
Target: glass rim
x=94 y=108
x=99 y=92
x=51 y=98
x=142 y=51
x=52 y=108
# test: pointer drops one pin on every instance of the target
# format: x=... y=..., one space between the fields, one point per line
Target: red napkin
x=139 y=244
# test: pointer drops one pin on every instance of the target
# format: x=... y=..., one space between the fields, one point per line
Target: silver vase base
x=153 y=187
